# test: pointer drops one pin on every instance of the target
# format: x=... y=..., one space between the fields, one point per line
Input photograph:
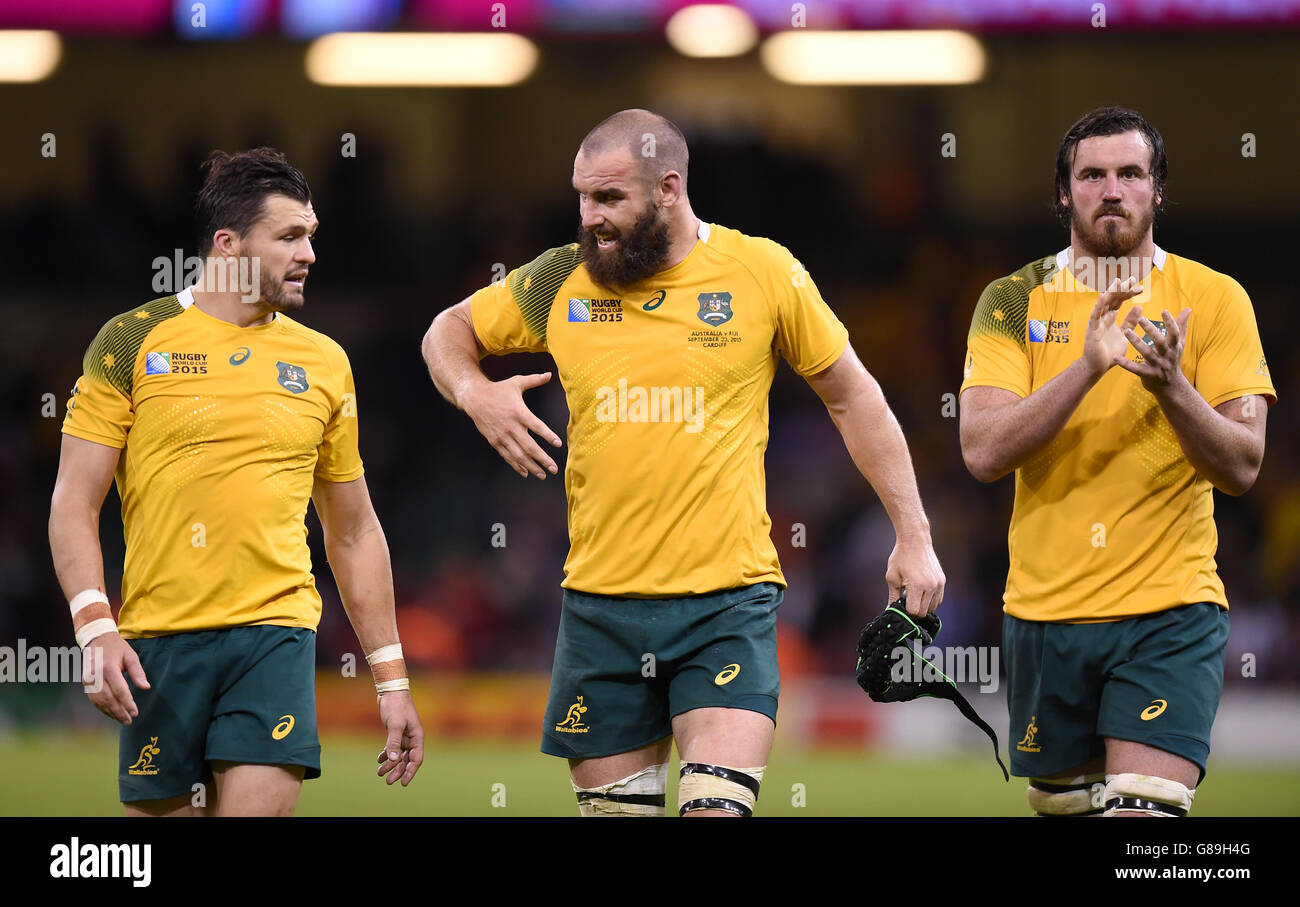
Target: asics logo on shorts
x=1154 y=710
x=281 y=730
x=727 y=674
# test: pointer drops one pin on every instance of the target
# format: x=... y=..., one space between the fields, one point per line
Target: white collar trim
x=703 y=232
x=186 y=298
x=1157 y=258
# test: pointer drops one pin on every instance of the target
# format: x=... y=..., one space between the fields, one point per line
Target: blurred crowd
x=902 y=269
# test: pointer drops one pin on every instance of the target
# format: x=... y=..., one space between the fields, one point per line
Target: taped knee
x=1146 y=794
x=1080 y=795
x=640 y=794
x=704 y=786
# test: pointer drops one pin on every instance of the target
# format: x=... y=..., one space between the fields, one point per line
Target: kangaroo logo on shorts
x=1154 y=710
x=292 y=377
x=572 y=723
x=144 y=765
x=1029 y=742
x=281 y=730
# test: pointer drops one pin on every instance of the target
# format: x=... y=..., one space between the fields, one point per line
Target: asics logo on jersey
x=240 y=356
x=624 y=403
x=1154 y=710
x=727 y=674
x=655 y=301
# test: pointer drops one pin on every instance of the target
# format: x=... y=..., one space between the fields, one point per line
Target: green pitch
x=63 y=774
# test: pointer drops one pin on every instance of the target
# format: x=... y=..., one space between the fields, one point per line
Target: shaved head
x=653 y=141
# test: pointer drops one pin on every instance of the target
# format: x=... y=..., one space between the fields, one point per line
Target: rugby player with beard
x=666 y=331
x=1115 y=619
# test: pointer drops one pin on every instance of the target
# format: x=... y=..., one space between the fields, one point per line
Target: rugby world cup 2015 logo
x=715 y=308
x=292 y=377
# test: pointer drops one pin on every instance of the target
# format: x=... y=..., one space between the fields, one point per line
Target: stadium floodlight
x=28 y=56
x=410 y=59
x=874 y=57
x=711 y=30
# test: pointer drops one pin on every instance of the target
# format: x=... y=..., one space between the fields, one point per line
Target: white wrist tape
x=389 y=668
x=91 y=615
x=84 y=598
x=385 y=653
x=95 y=628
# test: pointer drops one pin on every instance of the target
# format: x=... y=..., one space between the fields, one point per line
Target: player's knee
x=642 y=793
x=1080 y=795
x=733 y=790
x=1147 y=795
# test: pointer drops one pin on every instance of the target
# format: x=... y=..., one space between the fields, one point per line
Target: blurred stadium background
x=902 y=198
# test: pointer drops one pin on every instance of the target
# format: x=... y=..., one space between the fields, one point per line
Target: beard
x=275 y=293
x=1112 y=239
x=635 y=256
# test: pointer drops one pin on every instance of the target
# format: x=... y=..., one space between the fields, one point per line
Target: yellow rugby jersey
x=1110 y=519
x=667 y=385
x=223 y=430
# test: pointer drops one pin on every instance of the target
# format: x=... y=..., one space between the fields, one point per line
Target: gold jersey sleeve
x=101 y=408
x=1230 y=360
x=808 y=334
x=512 y=316
x=338 y=458
x=996 y=345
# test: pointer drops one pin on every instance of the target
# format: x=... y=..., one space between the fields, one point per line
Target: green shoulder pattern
x=1004 y=305
x=112 y=354
x=535 y=284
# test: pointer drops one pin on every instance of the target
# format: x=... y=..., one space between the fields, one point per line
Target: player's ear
x=225 y=243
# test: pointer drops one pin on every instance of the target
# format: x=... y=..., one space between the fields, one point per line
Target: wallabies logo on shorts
x=572 y=723
x=1029 y=742
x=144 y=765
x=292 y=377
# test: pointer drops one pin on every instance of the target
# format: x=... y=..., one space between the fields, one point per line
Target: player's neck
x=231 y=307
x=683 y=234
x=1096 y=273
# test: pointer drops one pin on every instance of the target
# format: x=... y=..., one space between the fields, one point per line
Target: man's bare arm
x=358 y=554
x=1000 y=431
x=452 y=352
x=85 y=472
x=876 y=443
